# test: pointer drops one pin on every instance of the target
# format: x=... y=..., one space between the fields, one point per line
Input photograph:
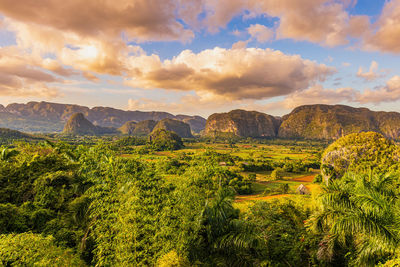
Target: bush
x=361 y=153
x=277 y=174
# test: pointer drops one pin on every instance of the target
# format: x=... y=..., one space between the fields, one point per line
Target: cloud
x=261 y=33
x=197 y=104
x=371 y=74
x=319 y=95
x=139 y=20
x=388 y=93
x=249 y=73
x=20 y=75
x=320 y=21
x=240 y=44
x=386 y=31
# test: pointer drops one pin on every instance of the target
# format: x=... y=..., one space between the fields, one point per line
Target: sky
x=199 y=57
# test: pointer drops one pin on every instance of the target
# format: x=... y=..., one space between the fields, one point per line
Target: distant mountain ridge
x=305 y=122
x=326 y=122
x=51 y=117
x=77 y=124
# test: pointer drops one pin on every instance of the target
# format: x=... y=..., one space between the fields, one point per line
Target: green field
x=132 y=201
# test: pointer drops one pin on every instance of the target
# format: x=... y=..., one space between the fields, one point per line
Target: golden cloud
x=261 y=33
x=249 y=73
x=371 y=74
x=388 y=93
x=386 y=32
x=319 y=95
x=20 y=76
x=320 y=21
x=138 y=20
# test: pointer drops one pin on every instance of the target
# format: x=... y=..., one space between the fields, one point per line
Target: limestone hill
x=128 y=127
x=242 y=123
x=143 y=128
x=333 y=121
x=179 y=127
x=79 y=125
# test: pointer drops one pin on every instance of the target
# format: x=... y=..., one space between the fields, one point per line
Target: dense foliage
x=361 y=152
x=161 y=139
x=133 y=202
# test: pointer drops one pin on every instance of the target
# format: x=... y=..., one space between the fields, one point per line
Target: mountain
x=197 y=123
x=79 y=125
x=128 y=127
x=242 y=123
x=179 y=127
x=51 y=117
x=333 y=121
x=143 y=128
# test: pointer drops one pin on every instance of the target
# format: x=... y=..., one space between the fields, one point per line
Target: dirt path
x=303 y=179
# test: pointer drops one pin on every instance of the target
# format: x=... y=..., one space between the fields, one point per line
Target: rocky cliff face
x=179 y=127
x=196 y=123
x=333 y=121
x=242 y=123
x=52 y=116
x=79 y=125
x=143 y=128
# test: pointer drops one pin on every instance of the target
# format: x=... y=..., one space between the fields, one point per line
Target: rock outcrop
x=179 y=127
x=334 y=121
x=79 y=125
x=196 y=123
x=360 y=153
x=242 y=123
x=51 y=117
x=144 y=128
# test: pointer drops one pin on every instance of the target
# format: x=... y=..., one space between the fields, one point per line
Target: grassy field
x=264 y=187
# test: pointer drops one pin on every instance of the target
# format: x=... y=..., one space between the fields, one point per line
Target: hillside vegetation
x=156 y=201
x=323 y=122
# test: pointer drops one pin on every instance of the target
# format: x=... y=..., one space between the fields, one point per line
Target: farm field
x=89 y=199
x=264 y=187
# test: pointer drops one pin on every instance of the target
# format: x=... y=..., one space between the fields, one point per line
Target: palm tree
x=359 y=211
x=7 y=154
x=230 y=241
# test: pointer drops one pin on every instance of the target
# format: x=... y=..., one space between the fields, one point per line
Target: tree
x=359 y=214
x=284 y=240
x=161 y=139
x=226 y=240
x=29 y=249
x=276 y=174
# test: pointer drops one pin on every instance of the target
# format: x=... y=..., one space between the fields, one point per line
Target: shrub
x=276 y=174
